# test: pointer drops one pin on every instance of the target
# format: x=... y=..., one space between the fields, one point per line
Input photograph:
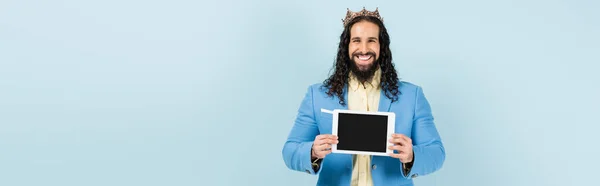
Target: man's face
x=364 y=46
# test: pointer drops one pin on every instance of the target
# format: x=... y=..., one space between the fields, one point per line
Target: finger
x=325 y=141
x=331 y=137
x=398 y=135
x=399 y=148
x=394 y=140
x=395 y=137
x=323 y=151
x=325 y=147
x=407 y=139
x=333 y=141
x=321 y=141
x=322 y=154
x=317 y=143
x=394 y=155
x=399 y=141
x=322 y=136
x=321 y=146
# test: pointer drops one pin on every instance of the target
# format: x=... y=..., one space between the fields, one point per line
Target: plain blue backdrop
x=186 y=92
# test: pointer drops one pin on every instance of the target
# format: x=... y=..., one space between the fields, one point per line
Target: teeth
x=364 y=57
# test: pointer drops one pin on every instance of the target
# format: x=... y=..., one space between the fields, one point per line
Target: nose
x=363 y=48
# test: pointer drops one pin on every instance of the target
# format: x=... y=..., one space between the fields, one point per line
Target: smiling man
x=364 y=79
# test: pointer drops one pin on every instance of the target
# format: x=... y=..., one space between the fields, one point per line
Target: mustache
x=356 y=54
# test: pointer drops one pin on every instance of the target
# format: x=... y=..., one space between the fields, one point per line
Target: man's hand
x=322 y=145
x=403 y=145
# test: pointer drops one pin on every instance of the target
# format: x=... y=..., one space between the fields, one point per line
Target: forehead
x=364 y=29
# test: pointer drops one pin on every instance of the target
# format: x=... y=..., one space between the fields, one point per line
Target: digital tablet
x=366 y=133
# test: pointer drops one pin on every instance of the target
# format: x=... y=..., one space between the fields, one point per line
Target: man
x=364 y=79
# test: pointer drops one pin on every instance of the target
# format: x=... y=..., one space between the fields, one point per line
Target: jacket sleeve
x=297 y=149
x=429 y=153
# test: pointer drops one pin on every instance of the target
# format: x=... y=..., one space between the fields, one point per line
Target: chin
x=363 y=66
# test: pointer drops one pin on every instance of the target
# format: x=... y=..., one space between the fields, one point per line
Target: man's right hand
x=322 y=145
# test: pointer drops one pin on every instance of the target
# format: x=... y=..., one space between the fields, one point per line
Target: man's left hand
x=403 y=145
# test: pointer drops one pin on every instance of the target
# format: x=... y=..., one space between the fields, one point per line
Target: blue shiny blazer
x=413 y=119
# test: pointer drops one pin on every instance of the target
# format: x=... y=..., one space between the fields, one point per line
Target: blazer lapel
x=384 y=102
x=345 y=94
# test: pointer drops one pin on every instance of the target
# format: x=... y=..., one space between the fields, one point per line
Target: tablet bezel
x=390 y=130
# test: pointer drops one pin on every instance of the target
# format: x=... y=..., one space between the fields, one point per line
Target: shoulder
x=318 y=92
x=407 y=87
x=410 y=91
x=317 y=89
x=317 y=86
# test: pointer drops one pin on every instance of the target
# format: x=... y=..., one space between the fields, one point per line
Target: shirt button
x=374 y=166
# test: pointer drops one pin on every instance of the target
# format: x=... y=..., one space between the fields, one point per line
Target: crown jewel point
x=364 y=12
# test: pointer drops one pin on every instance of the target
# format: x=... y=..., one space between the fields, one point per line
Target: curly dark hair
x=339 y=78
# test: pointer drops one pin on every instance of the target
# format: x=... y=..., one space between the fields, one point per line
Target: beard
x=365 y=73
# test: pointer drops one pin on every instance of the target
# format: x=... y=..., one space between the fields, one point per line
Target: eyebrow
x=375 y=38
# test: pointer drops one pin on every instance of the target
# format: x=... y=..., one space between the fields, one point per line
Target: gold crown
x=364 y=12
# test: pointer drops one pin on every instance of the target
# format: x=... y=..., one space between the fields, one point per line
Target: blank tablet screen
x=360 y=132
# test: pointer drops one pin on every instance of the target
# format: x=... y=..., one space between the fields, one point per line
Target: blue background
x=186 y=92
